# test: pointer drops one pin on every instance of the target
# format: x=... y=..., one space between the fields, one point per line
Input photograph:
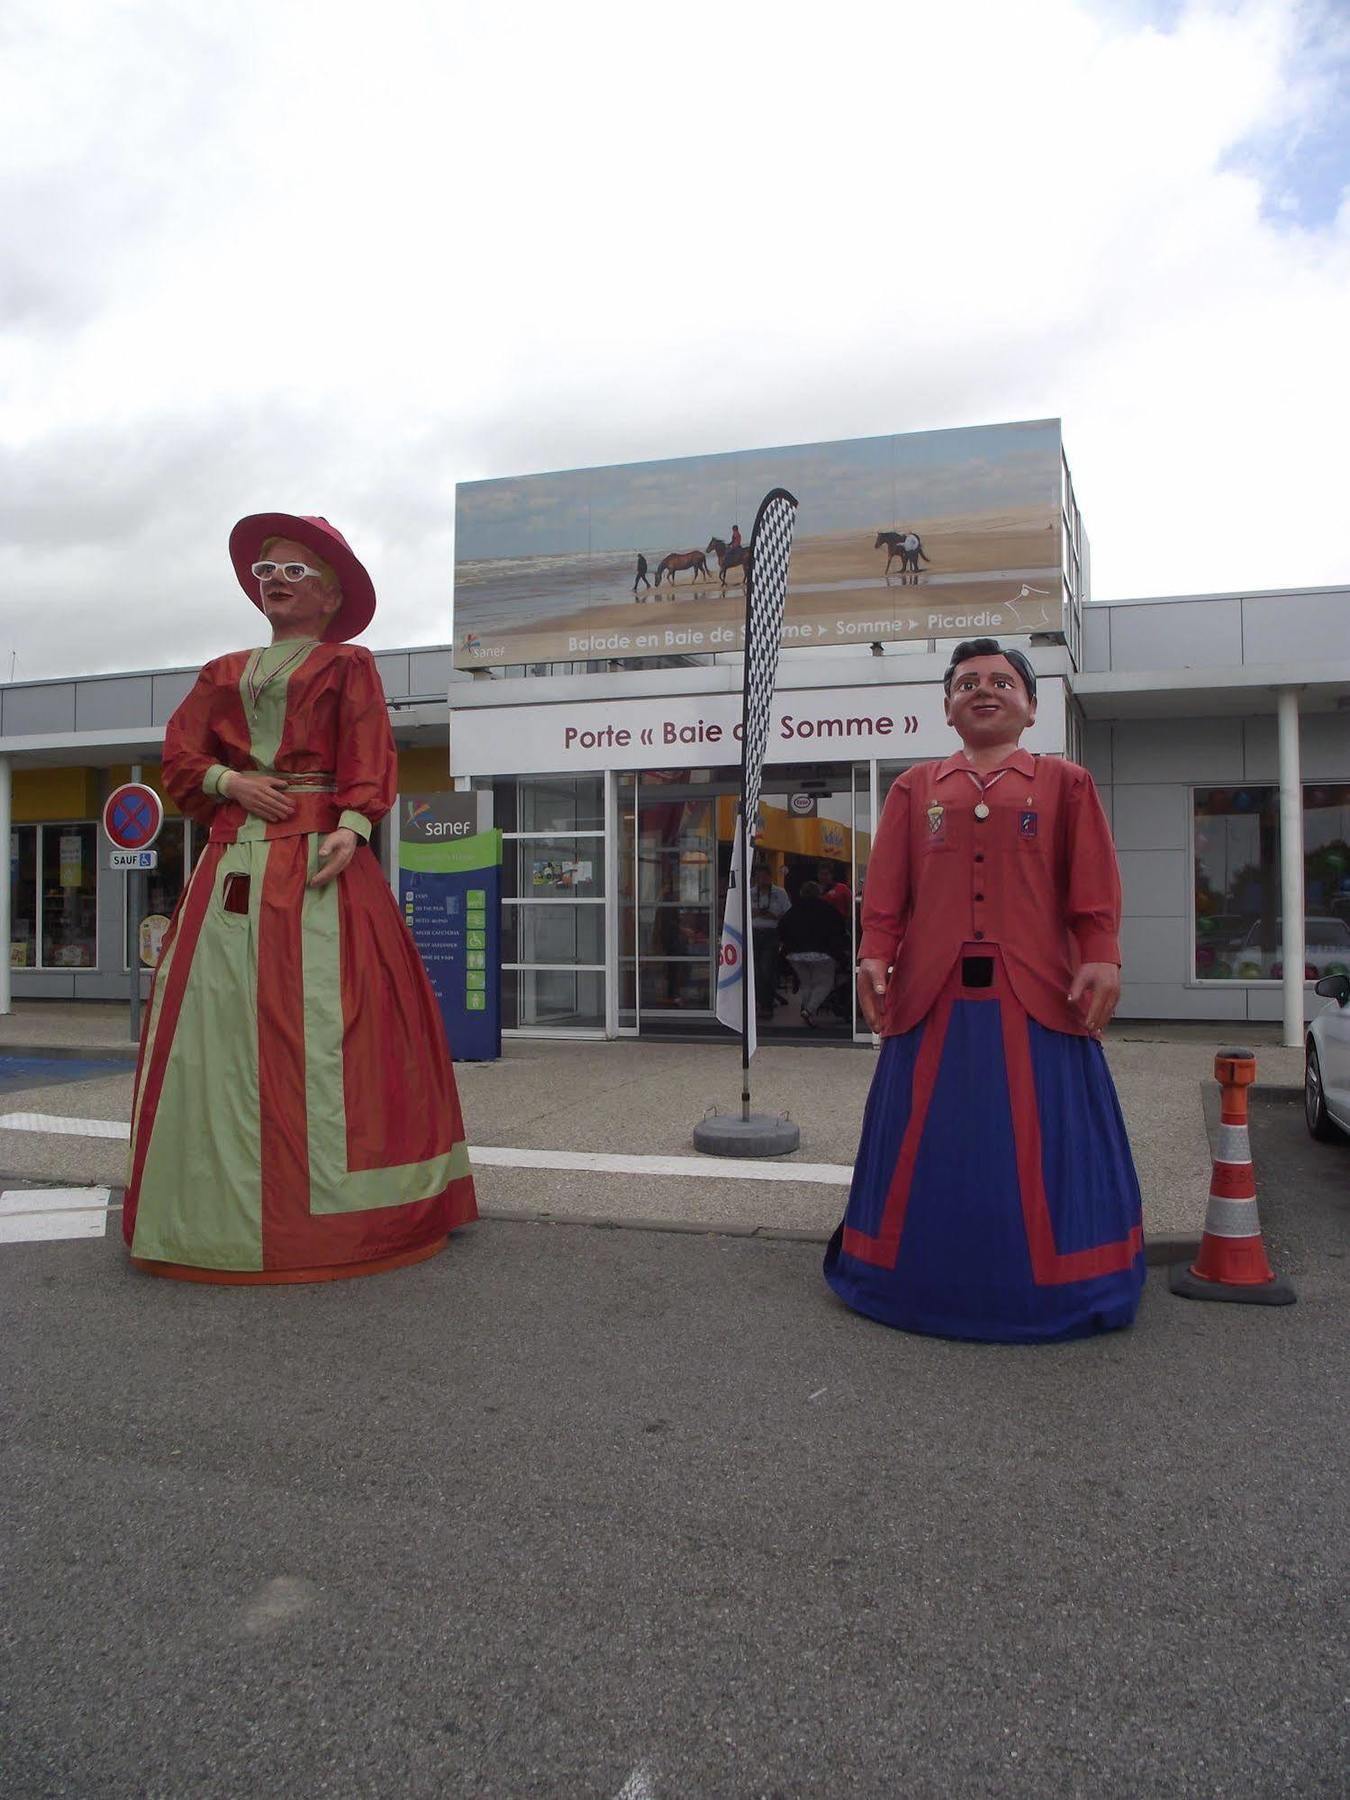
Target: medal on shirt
x=982 y=805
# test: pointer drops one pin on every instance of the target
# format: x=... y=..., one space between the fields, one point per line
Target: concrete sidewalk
x=644 y=1098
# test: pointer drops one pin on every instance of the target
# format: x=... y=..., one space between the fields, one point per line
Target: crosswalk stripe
x=45 y=1199
x=56 y=1125
x=41 y=1215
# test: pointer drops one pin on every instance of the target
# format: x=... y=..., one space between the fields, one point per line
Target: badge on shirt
x=1026 y=824
x=936 y=817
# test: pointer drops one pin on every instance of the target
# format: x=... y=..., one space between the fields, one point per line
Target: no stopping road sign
x=132 y=816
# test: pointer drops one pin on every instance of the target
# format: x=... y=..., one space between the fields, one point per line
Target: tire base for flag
x=1264 y=1293
x=762 y=1134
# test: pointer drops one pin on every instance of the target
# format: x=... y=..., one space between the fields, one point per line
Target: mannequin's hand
x=264 y=796
x=335 y=852
x=873 y=974
x=1096 y=994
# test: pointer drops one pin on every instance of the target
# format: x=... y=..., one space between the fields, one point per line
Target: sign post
x=133 y=817
x=450 y=890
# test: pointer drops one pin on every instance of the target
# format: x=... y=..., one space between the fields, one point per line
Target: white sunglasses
x=288 y=571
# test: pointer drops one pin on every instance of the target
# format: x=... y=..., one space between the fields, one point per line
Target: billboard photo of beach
x=920 y=535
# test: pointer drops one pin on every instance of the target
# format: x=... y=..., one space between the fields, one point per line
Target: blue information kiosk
x=450 y=889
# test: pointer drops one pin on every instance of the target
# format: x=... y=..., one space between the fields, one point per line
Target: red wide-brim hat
x=328 y=544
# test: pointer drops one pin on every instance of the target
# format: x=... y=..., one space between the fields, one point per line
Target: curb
x=1160 y=1251
x=118 y=1053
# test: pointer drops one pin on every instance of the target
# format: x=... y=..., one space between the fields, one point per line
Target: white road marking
x=278 y=1602
x=638 y=1786
x=42 y=1228
x=41 y=1200
x=40 y=1215
x=706 y=1168
x=816 y=1395
x=709 y=1168
x=55 y=1125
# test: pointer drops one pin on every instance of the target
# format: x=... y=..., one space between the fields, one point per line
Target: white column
x=611 y=905
x=6 y=825
x=1291 y=865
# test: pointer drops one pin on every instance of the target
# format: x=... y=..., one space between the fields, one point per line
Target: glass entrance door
x=674 y=855
x=670 y=919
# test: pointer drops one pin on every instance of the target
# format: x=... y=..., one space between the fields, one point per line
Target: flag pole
x=749 y=963
x=747 y=825
x=766 y=571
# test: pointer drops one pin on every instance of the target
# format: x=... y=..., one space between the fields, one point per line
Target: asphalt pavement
x=601 y=1512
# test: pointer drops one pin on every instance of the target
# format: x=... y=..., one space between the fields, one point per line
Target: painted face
x=302 y=608
x=988 y=703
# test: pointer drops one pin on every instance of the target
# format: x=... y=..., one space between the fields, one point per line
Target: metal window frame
x=40 y=965
x=1270 y=983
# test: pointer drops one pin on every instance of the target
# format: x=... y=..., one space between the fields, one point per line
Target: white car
x=1326 y=1069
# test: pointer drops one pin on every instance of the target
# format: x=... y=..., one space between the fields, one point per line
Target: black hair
x=973 y=647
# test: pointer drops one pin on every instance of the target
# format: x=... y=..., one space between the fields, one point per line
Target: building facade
x=1217 y=728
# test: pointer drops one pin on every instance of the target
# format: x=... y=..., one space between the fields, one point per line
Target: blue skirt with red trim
x=994 y=1195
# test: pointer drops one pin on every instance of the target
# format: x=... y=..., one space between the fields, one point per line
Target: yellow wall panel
x=55 y=794
x=424 y=772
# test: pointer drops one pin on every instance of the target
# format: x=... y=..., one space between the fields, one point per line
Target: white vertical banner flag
x=765 y=596
x=736 y=959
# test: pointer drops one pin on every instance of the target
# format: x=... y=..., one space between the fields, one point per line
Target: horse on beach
x=696 y=561
x=895 y=542
x=730 y=556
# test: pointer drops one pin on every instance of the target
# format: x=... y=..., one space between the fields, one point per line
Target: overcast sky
x=333 y=258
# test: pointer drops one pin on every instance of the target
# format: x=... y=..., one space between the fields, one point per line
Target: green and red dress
x=295 y=1114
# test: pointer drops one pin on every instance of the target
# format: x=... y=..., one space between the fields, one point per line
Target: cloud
x=271 y=256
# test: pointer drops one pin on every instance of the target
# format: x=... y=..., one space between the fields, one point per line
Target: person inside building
x=815 y=941
x=994 y=1195
x=295 y=1114
x=768 y=903
x=835 y=891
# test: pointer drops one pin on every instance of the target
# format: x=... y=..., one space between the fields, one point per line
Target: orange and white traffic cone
x=1232 y=1262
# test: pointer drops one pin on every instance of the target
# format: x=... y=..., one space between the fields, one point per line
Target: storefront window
x=23 y=897
x=553 y=868
x=553 y=934
x=553 y=893
x=562 y=803
x=160 y=891
x=1238 y=927
x=553 y=998
x=69 y=897
x=546 y=803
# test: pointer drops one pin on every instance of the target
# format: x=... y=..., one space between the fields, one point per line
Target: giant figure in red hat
x=295 y=1115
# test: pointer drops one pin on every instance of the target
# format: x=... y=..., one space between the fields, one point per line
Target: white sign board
x=133 y=859
x=901 y=724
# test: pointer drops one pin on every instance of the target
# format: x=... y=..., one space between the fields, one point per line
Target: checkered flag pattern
x=770 y=549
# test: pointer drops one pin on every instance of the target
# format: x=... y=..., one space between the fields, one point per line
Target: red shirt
x=1038 y=878
x=840 y=897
